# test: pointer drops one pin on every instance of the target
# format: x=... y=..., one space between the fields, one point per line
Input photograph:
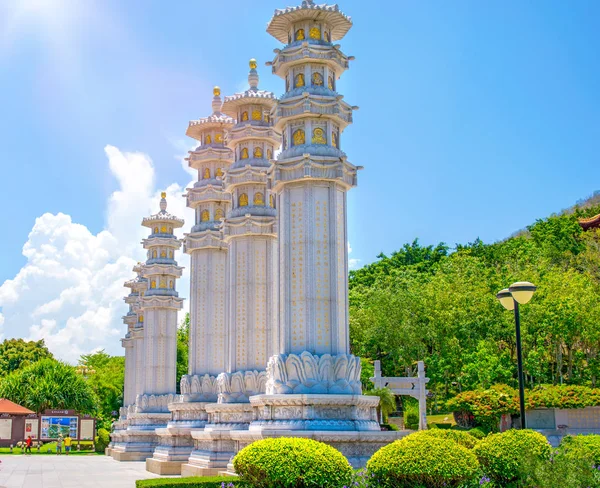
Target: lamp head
x=522 y=291
x=506 y=299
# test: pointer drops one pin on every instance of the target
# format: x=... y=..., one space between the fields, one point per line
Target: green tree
x=17 y=353
x=49 y=384
x=183 y=335
x=105 y=374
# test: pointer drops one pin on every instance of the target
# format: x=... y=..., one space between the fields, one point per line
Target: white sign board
x=5 y=429
x=87 y=430
x=31 y=428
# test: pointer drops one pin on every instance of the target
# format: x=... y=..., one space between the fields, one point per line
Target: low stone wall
x=556 y=423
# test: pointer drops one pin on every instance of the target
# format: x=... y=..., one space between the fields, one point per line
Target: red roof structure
x=6 y=406
x=591 y=223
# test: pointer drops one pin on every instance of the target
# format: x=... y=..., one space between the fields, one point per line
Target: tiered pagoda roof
x=279 y=26
x=591 y=223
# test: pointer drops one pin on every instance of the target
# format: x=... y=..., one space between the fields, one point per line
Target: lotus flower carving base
x=307 y=373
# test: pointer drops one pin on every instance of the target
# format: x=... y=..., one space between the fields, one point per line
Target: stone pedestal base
x=346 y=422
x=138 y=442
x=319 y=412
x=175 y=443
x=357 y=447
x=213 y=446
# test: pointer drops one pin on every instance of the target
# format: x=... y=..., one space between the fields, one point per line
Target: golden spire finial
x=216 y=91
x=163 y=194
x=253 y=64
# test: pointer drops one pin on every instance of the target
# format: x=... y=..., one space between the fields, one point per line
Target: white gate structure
x=410 y=386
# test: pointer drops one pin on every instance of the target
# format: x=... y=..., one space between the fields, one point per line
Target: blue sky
x=475 y=117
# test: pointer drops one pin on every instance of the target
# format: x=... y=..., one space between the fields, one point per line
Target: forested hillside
x=438 y=305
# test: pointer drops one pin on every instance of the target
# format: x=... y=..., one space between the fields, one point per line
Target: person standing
x=68 y=441
x=28 y=443
x=59 y=444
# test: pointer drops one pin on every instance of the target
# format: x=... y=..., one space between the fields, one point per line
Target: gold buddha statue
x=259 y=199
x=299 y=137
x=243 y=200
x=319 y=136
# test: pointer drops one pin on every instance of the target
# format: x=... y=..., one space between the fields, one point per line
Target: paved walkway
x=69 y=472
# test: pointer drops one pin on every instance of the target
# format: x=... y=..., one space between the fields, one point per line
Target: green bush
x=102 y=440
x=563 y=471
x=422 y=460
x=582 y=447
x=486 y=406
x=288 y=462
x=478 y=433
x=411 y=419
x=460 y=437
x=206 y=482
x=563 y=396
x=508 y=457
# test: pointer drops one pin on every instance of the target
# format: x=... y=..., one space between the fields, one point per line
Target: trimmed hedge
x=582 y=447
x=206 y=482
x=487 y=406
x=463 y=438
x=507 y=457
x=291 y=462
x=423 y=460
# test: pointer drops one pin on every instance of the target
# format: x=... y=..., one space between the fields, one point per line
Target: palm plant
x=387 y=402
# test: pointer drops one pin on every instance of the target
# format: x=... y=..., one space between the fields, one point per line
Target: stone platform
x=213 y=447
x=138 y=441
x=175 y=442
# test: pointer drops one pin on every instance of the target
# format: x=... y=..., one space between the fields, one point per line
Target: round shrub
x=102 y=440
x=298 y=463
x=460 y=437
x=423 y=460
x=507 y=457
x=582 y=447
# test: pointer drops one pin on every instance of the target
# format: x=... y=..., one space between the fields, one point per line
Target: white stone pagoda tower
x=133 y=341
x=208 y=287
x=156 y=351
x=313 y=387
x=161 y=302
x=249 y=230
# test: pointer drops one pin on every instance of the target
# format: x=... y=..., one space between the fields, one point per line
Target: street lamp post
x=510 y=298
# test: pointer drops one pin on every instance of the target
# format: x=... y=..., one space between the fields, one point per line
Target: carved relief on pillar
x=154 y=403
x=307 y=373
x=199 y=388
x=240 y=386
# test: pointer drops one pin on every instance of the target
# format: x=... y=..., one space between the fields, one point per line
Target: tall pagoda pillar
x=208 y=288
x=250 y=232
x=312 y=374
x=159 y=303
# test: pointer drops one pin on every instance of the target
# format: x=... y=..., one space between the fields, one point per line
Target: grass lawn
x=445 y=418
x=52 y=447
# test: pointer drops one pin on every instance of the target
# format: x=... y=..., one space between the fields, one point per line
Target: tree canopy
x=435 y=304
x=48 y=384
x=16 y=353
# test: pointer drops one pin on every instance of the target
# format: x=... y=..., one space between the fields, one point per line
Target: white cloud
x=70 y=291
x=353 y=263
